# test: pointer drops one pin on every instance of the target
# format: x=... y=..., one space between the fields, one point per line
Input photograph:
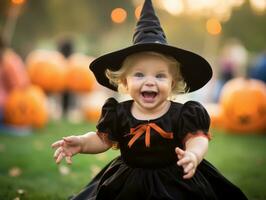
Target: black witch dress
x=147 y=167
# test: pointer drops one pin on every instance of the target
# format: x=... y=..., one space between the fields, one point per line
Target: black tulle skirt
x=119 y=181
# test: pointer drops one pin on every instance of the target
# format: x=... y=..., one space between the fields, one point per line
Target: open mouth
x=149 y=95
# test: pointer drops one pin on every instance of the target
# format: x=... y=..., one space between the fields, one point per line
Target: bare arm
x=195 y=150
x=198 y=146
x=92 y=143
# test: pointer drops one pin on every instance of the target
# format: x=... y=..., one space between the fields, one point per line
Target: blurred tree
x=3 y=7
x=43 y=20
x=248 y=27
x=3 y=11
x=88 y=21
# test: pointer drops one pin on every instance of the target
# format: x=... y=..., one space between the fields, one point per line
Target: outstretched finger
x=189 y=167
x=184 y=160
x=68 y=160
x=179 y=156
x=179 y=151
x=57 y=144
x=69 y=139
x=60 y=157
x=189 y=174
x=57 y=152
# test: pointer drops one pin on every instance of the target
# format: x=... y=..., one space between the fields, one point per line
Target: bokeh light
x=138 y=11
x=213 y=26
x=173 y=7
x=18 y=2
x=259 y=6
x=220 y=9
x=118 y=15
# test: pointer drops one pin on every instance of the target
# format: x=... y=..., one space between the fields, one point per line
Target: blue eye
x=161 y=76
x=138 y=74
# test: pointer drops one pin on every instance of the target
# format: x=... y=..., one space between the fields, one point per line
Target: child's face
x=149 y=82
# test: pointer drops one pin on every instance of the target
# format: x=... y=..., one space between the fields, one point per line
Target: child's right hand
x=66 y=148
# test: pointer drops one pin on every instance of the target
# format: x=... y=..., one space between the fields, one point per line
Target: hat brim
x=195 y=70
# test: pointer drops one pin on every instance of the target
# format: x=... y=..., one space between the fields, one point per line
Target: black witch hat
x=149 y=36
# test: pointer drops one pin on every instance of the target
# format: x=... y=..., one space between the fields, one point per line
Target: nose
x=149 y=81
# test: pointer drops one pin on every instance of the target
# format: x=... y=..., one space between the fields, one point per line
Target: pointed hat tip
x=147 y=5
x=148 y=27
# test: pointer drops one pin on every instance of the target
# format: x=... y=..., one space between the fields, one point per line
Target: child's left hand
x=188 y=160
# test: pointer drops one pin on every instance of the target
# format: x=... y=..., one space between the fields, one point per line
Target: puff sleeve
x=106 y=127
x=194 y=121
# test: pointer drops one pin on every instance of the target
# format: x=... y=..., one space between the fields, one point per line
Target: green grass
x=242 y=159
x=40 y=177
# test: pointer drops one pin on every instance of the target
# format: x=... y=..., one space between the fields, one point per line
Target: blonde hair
x=117 y=78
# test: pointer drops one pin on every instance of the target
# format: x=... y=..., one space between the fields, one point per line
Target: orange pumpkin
x=26 y=107
x=79 y=77
x=214 y=111
x=3 y=90
x=92 y=105
x=47 y=69
x=15 y=74
x=93 y=115
x=243 y=103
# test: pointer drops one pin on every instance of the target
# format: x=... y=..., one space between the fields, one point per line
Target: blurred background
x=47 y=90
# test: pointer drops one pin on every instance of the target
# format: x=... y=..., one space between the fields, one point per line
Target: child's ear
x=173 y=84
x=124 y=83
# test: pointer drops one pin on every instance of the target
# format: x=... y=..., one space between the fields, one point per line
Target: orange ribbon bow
x=140 y=129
